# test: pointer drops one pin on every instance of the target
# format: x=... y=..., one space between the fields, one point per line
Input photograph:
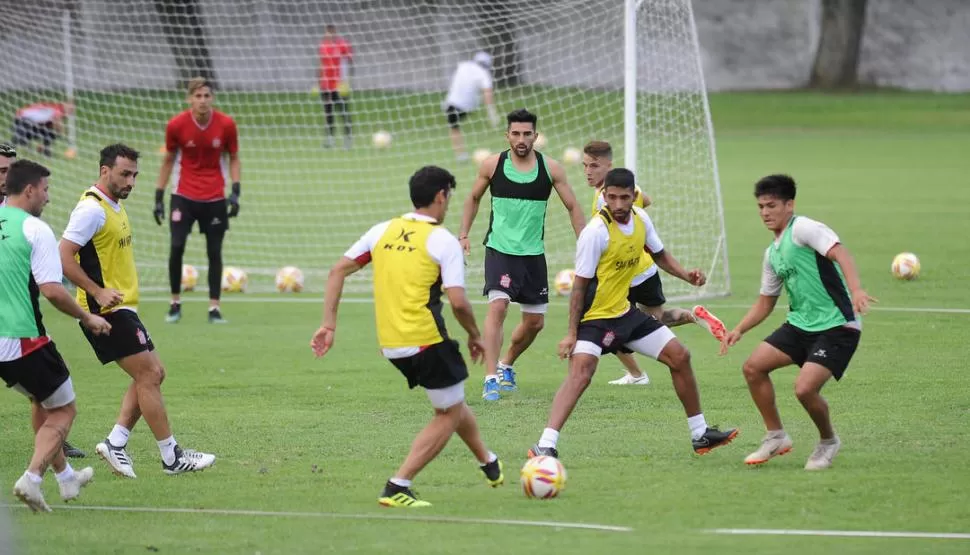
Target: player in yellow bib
x=602 y=320
x=97 y=255
x=646 y=289
x=415 y=260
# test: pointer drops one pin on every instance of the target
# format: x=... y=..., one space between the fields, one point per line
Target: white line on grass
x=345 y=516
x=839 y=533
x=369 y=300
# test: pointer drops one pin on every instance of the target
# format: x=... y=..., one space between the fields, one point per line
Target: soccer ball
x=543 y=477
x=541 y=142
x=70 y=153
x=905 y=266
x=480 y=155
x=564 y=282
x=190 y=277
x=234 y=280
x=381 y=139
x=572 y=156
x=289 y=280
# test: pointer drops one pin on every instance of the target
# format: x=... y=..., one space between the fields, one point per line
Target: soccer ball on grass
x=234 y=280
x=543 y=477
x=190 y=277
x=381 y=139
x=289 y=280
x=905 y=266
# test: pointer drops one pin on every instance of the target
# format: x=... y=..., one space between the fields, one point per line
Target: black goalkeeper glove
x=159 y=211
x=234 y=200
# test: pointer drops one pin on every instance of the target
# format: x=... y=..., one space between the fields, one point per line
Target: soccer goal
x=626 y=72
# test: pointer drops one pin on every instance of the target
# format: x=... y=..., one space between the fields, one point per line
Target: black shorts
x=437 y=366
x=832 y=348
x=649 y=293
x=611 y=334
x=330 y=98
x=454 y=115
x=128 y=337
x=212 y=215
x=523 y=278
x=40 y=373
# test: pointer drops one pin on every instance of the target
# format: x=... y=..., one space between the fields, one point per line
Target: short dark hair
x=23 y=173
x=426 y=182
x=778 y=185
x=522 y=116
x=330 y=28
x=7 y=151
x=620 y=177
x=598 y=149
x=110 y=154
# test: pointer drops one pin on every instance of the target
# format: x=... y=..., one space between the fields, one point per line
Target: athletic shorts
x=212 y=215
x=832 y=348
x=435 y=367
x=523 y=278
x=649 y=293
x=454 y=115
x=332 y=97
x=612 y=334
x=128 y=337
x=39 y=376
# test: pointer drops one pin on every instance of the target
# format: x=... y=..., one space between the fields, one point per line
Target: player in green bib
x=521 y=181
x=29 y=362
x=822 y=331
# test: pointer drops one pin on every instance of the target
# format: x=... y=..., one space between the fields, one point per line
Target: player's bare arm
x=566 y=195
x=107 y=298
x=841 y=256
x=474 y=200
x=323 y=338
x=164 y=173
x=63 y=301
x=577 y=299
x=761 y=309
x=463 y=312
x=671 y=265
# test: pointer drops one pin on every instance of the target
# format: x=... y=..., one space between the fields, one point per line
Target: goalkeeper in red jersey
x=198 y=139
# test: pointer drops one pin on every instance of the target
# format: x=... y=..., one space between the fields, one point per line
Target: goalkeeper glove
x=234 y=200
x=343 y=88
x=493 y=115
x=159 y=211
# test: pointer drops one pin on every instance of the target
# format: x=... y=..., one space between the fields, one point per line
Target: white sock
x=400 y=482
x=697 y=425
x=167 y=447
x=502 y=366
x=492 y=457
x=776 y=433
x=66 y=474
x=34 y=478
x=119 y=436
x=549 y=438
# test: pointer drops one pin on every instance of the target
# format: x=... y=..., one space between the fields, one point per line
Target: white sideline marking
x=346 y=516
x=318 y=298
x=839 y=533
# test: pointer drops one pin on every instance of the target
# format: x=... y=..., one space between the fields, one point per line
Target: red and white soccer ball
x=543 y=477
x=190 y=277
x=234 y=280
x=289 y=280
x=905 y=266
x=564 y=282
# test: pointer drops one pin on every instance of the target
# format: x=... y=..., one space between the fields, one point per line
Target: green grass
x=886 y=171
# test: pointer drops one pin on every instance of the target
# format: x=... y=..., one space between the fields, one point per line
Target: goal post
x=626 y=72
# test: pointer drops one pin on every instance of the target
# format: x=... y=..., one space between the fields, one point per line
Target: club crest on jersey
x=505 y=281
x=176 y=215
x=141 y=337
x=608 y=338
x=216 y=143
x=190 y=144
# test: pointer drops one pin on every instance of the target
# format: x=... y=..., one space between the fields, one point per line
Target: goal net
x=124 y=65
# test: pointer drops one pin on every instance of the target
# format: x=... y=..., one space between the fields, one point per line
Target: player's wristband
x=159 y=195
x=236 y=188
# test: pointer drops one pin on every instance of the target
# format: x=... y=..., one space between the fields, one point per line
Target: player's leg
x=633 y=375
x=328 y=101
x=213 y=250
x=530 y=275
x=582 y=366
x=181 y=217
x=533 y=320
x=453 y=115
x=37 y=416
x=344 y=104
x=651 y=338
x=828 y=357
x=500 y=288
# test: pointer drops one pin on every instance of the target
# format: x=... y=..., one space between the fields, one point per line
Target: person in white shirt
x=42 y=121
x=471 y=80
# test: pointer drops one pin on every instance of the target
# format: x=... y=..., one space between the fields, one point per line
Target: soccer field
x=305 y=445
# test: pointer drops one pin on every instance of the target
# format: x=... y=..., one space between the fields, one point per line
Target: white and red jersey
x=42 y=112
x=200 y=173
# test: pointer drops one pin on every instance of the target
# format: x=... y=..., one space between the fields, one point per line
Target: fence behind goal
x=124 y=65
